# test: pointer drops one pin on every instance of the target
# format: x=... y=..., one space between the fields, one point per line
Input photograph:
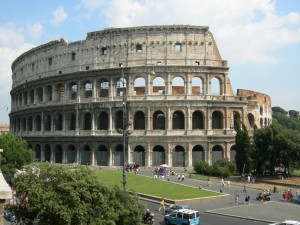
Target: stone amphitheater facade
x=68 y=98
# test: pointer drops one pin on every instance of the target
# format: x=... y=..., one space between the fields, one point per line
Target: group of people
x=237 y=196
x=161 y=172
x=180 y=177
x=287 y=195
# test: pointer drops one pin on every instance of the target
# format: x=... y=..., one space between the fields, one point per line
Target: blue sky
x=260 y=39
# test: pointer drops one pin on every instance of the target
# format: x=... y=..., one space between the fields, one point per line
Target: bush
x=222 y=168
x=201 y=167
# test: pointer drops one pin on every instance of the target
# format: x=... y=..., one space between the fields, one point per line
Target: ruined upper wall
x=115 y=47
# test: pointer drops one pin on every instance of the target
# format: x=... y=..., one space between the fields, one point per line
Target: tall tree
x=58 y=195
x=243 y=148
x=15 y=153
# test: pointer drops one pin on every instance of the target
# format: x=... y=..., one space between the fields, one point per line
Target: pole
x=124 y=132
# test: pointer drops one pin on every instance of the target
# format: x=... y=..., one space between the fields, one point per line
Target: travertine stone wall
x=67 y=98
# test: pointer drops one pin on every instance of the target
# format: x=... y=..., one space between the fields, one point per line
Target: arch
x=58 y=122
x=71 y=121
x=25 y=96
x=58 y=154
x=178 y=156
x=266 y=122
x=139 y=86
x=104 y=88
x=73 y=90
x=197 y=86
x=158 y=120
x=47 y=122
x=38 y=123
x=217 y=120
x=261 y=122
x=158 y=156
x=88 y=89
x=85 y=155
x=119 y=120
x=217 y=153
x=49 y=93
x=39 y=93
x=198 y=154
x=31 y=96
x=232 y=153
x=139 y=155
x=197 y=120
x=178 y=120
x=24 y=123
x=38 y=153
x=251 y=120
x=215 y=86
x=121 y=86
x=139 y=121
x=159 y=86
x=118 y=156
x=87 y=122
x=236 y=119
x=102 y=121
x=261 y=110
x=60 y=89
x=102 y=156
x=178 y=86
x=30 y=123
x=71 y=154
x=47 y=151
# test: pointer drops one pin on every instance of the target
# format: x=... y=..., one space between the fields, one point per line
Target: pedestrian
x=209 y=182
x=237 y=195
x=182 y=177
x=245 y=188
x=222 y=182
x=179 y=177
x=247 y=199
x=162 y=204
x=200 y=186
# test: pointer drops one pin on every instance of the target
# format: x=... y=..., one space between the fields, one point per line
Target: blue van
x=183 y=217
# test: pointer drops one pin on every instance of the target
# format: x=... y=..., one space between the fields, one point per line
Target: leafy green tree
x=277 y=109
x=243 y=148
x=15 y=153
x=294 y=113
x=61 y=196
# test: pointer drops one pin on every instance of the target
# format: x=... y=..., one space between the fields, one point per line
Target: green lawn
x=154 y=187
x=296 y=173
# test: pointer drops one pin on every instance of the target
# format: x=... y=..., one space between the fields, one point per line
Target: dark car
x=175 y=207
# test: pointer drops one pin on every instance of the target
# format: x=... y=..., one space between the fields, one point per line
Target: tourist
x=162 y=204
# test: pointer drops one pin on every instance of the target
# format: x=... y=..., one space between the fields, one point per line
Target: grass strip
x=154 y=187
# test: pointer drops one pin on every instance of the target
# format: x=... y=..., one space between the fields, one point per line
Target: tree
x=277 y=109
x=294 y=113
x=61 y=196
x=15 y=153
x=243 y=148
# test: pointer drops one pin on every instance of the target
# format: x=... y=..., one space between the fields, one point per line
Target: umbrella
x=164 y=165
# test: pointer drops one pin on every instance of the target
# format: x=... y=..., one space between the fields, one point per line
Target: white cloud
x=35 y=30
x=59 y=16
x=246 y=31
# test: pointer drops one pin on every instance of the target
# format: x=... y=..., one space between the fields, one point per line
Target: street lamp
x=124 y=130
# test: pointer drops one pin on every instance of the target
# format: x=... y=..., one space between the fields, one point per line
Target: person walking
x=182 y=177
x=247 y=199
x=209 y=182
x=162 y=204
x=237 y=195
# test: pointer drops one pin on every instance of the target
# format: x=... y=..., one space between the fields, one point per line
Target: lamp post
x=124 y=130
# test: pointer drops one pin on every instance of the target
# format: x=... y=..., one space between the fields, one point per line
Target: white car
x=287 y=222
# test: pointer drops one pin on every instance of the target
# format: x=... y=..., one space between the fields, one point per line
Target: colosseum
x=163 y=92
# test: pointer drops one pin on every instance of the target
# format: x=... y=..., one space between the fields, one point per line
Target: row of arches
x=106 y=156
x=108 y=87
x=108 y=120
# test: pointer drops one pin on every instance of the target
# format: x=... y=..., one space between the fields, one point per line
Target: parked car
x=175 y=207
x=287 y=222
x=183 y=216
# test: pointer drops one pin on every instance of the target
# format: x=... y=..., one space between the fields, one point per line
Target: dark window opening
x=139 y=48
x=104 y=51
x=50 y=61
x=73 y=56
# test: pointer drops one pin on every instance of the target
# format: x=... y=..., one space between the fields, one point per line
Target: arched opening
x=85 y=155
x=47 y=151
x=215 y=86
x=58 y=122
x=198 y=154
x=158 y=120
x=102 y=121
x=251 y=120
x=178 y=86
x=40 y=95
x=198 y=120
x=217 y=153
x=119 y=120
x=159 y=86
x=87 y=122
x=88 y=89
x=38 y=153
x=261 y=110
x=197 y=86
x=30 y=123
x=139 y=86
x=102 y=156
x=73 y=90
x=178 y=156
x=58 y=153
x=236 y=119
x=139 y=155
x=49 y=93
x=104 y=88
x=71 y=154
x=232 y=153
x=47 y=123
x=118 y=156
x=24 y=127
x=31 y=96
x=139 y=121
x=158 y=156
x=217 y=120
x=261 y=122
x=38 y=123
x=178 y=120
x=72 y=121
